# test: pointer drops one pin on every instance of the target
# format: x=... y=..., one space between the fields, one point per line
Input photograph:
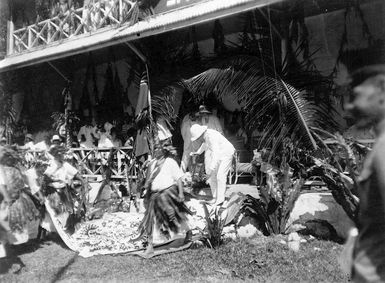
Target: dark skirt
x=164 y=209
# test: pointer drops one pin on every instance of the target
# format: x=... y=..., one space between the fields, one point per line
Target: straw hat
x=29 y=136
x=203 y=110
x=55 y=138
x=196 y=131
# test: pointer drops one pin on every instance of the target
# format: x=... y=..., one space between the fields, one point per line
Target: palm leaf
x=7 y=111
x=265 y=96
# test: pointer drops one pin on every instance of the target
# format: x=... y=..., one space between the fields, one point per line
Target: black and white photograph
x=192 y=141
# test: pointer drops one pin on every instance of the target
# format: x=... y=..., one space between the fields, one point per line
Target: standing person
x=185 y=127
x=64 y=189
x=165 y=207
x=206 y=118
x=219 y=154
x=369 y=107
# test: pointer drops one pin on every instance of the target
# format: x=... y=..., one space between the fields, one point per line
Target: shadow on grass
x=63 y=269
x=13 y=262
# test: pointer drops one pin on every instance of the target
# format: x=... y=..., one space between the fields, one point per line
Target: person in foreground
x=219 y=154
x=368 y=106
x=164 y=197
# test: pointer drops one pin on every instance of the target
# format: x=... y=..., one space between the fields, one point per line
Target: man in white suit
x=219 y=153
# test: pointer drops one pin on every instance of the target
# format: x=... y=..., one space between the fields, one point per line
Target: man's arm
x=213 y=144
x=180 y=189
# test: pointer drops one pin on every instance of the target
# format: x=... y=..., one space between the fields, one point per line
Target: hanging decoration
x=219 y=38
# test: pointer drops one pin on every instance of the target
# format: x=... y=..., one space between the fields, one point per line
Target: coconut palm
x=277 y=102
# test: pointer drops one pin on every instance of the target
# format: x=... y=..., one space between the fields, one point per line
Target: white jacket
x=216 y=148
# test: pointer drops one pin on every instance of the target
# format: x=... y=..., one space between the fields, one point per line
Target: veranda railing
x=84 y=20
x=91 y=162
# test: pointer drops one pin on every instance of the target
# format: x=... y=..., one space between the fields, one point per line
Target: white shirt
x=41 y=146
x=169 y=175
x=65 y=173
x=29 y=145
x=87 y=131
x=216 y=148
x=105 y=140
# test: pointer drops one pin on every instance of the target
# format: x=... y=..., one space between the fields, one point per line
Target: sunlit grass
x=262 y=259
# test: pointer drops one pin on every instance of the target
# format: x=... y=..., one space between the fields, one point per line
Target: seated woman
x=64 y=189
x=165 y=207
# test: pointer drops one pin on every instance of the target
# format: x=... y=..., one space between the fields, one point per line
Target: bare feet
x=188 y=237
x=149 y=251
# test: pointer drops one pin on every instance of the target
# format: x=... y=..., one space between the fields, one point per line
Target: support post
x=29 y=37
x=10 y=40
x=120 y=11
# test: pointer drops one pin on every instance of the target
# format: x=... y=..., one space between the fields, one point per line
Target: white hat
x=55 y=138
x=196 y=131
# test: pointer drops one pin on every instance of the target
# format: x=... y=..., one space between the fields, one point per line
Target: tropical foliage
x=7 y=112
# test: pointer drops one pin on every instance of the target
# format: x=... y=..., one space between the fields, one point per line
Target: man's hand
x=181 y=197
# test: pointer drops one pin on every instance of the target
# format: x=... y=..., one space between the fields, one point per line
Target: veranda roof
x=200 y=12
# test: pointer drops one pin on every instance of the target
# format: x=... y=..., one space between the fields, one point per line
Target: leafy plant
x=341 y=181
x=276 y=203
x=213 y=234
x=7 y=112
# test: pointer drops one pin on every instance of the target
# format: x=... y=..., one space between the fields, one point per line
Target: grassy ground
x=257 y=260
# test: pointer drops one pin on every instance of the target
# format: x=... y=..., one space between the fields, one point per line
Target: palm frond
x=7 y=111
x=265 y=97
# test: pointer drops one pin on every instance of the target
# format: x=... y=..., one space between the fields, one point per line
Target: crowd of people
x=89 y=135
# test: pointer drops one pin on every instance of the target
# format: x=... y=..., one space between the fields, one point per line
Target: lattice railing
x=99 y=14
x=91 y=161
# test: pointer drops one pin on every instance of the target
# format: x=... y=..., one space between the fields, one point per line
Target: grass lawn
x=263 y=259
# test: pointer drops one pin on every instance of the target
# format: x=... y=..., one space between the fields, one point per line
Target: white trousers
x=218 y=178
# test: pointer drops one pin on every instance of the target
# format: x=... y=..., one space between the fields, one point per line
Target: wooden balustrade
x=91 y=162
x=84 y=20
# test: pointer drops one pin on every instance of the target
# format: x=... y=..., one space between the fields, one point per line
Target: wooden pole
x=29 y=37
x=120 y=11
x=10 y=40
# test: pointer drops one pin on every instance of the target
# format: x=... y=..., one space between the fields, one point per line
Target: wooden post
x=120 y=11
x=29 y=37
x=10 y=40
x=49 y=31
